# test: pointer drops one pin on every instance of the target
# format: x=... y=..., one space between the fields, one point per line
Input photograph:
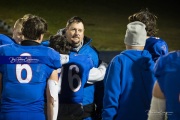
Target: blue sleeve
x=166 y=64
x=45 y=43
x=158 y=67
x=158 y=71
x=160 y=48
x=92 y=53
x=95 y=59
x=76 y=58
x=0 y=59
x=112 y=90
x=55 y=62
x=4 y=39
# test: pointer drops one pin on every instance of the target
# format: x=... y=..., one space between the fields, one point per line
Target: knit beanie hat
x=135 y=34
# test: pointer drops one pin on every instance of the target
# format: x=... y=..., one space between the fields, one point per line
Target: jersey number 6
x=20 y=68
x=72 y=77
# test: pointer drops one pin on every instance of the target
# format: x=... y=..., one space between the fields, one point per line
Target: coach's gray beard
x=77 y=48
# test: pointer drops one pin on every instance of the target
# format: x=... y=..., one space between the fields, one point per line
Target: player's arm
x=59 y=70
x=97 y=74
x=158 y=104
x=52 y=96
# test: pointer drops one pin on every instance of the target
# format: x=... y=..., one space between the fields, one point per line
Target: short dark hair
x=74 y=19
x=60 y=44
x=34 y=27
x=148 y=18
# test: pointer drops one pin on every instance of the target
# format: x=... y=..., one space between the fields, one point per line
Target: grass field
x=105 y=20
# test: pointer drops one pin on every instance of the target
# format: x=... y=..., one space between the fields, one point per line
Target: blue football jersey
x=23 y=83
x=167 y=71
x=157 y=47
x=4 y=39
x=74 y=76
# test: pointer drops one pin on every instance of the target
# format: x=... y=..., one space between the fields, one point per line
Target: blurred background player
x=165 y=102
x=17 y=36
x=17 y=30
x=155 y=45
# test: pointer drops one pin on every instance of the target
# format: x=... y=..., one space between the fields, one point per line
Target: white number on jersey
x=20 y=68
x=72 y=77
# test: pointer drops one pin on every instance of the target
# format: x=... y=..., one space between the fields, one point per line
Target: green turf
x=105 y=20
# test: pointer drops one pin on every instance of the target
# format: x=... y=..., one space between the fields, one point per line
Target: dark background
x=105 y=20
